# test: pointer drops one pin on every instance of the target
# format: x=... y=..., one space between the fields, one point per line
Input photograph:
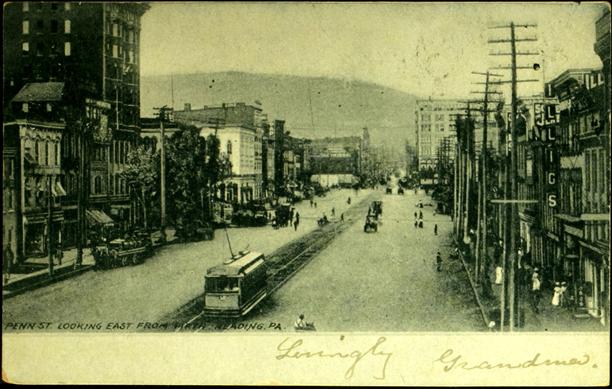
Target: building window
x=40 y=25
x=66 y=26
x=67 y=6
x=39 y=6
x=26 y=6
x=25 y=48
x=57 y=154
x=67 y=49
x=115 y=29
x=115 y=51
x=26 y=27
x=54 y=26
x=54 y=6
x=25 y=108
x=98 y=185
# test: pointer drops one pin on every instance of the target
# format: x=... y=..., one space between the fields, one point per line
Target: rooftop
x=40 y=91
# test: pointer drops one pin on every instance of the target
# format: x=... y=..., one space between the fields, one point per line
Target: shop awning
x=98 y=217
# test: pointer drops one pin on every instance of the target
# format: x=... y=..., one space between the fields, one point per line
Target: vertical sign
x=546 y=118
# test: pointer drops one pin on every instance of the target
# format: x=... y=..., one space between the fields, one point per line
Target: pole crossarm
x=511 y=25
x=488 y=73
x=510 y=67
x=529 y=39
x=512 y=201
x=518 y=53
x=508 y=81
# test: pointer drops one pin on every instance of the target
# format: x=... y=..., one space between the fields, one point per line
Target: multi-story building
x=583 y=190
x=238 y=127
x=596 y=209
x=93 y=48
x=334 y=161
x=434 y=121
x=10 y=198
x=36 y=132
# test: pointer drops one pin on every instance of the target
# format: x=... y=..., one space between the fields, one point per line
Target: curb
x=46 y=281
x=483 y=312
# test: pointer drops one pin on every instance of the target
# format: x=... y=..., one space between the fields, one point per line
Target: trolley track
x=283 y=264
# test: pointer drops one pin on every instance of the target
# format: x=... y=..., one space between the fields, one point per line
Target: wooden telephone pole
x=481 y=231
x=511 y=237
x=163 y=111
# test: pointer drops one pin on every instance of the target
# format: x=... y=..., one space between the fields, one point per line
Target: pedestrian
x=333 y=212
x=297 y=221
x=415 y=215
x=342 y=216
x=420 y=223
x=435 y=229
x=556 y=294
x=499 y=272
x=315 y=204
x=535 y=290
x=416 y=223
x=438 y=262
x=7 y=263
x=562 y=301
x=420 y=214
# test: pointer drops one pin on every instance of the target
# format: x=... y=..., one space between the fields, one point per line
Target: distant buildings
x=335 y=161
x=434 y=121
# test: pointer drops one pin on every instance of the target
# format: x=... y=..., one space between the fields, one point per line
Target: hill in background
x=312 y=107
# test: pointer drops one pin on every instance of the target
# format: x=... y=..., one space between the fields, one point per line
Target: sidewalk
x=549 y=319
x=20 y=283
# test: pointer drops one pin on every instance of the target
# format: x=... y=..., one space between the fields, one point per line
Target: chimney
x=187 y=107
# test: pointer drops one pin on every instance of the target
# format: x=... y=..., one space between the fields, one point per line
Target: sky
x=428 y=49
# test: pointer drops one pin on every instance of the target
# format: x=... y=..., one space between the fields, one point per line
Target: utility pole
x=162 y=117
x=50 y=224
x=512 y=230
x=481 y=243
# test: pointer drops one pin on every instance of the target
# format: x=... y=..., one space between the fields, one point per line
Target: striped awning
x=98 y=217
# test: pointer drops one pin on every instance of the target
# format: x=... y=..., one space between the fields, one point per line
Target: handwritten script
x=294 y=350
x=452 y=361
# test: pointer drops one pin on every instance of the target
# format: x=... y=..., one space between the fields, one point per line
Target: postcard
x=279 y=193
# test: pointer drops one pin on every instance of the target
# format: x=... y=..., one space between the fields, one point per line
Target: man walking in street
x=435 y=229
x=333 y=212
x=439 y=262
x=297 y=221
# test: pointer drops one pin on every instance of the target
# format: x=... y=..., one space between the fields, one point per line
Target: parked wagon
x=123 y=251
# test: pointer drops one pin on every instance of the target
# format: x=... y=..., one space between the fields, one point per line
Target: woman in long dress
x=557 y=294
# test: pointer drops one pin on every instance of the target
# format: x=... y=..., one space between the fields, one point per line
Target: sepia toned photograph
x=297 y=186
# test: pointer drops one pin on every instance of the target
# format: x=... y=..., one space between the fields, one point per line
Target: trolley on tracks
x=235 y=287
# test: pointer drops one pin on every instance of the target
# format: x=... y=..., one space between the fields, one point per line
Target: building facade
x=93 y=48
x=434 y=121
x=239 y=129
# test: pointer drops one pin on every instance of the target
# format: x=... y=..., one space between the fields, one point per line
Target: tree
x=186 y=178
x=142 y=175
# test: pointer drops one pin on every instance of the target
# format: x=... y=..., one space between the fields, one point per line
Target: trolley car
x=236 y=287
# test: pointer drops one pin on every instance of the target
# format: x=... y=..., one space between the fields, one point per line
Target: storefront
x=595 y=285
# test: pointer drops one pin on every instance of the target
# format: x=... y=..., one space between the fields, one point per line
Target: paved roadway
x=164 y=282
x=384 y=281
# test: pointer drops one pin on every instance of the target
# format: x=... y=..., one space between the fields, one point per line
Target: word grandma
x=293 y=350
x=453 y=362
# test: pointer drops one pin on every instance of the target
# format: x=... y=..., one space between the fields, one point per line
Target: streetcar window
x=221 y=284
